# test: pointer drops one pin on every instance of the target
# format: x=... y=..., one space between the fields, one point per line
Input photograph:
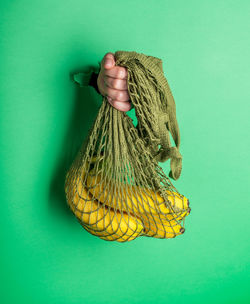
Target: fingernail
x=108 y=63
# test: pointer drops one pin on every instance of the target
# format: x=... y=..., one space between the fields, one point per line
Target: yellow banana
x=157 y=220
x=161 y=223
x=101 y=220
x=162 y=229
x=121 y=232
x=138 y=200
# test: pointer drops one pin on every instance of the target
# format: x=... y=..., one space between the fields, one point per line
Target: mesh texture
x=115 y=186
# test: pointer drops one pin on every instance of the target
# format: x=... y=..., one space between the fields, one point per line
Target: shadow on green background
x=82 y=117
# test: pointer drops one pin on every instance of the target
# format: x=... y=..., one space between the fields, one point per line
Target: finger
x=123 y=106
x=120 y=95
x=116 y=83
x=117 y=72
x=108 y=61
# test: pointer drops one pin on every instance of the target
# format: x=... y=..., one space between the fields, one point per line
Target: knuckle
x=116 y=104
x=115 y=83
x=122 y=106
x=121 y=73
x=120 y=95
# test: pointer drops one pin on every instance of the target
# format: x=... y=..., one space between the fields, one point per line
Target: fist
x=112 y=82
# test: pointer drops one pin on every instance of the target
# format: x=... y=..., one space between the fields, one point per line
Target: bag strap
x=166 y=112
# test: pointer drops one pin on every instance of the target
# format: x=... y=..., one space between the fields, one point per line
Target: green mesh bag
x=115 y=186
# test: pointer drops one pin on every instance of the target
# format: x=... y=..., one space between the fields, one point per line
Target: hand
x=112 y=82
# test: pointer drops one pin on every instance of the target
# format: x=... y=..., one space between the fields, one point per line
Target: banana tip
x=182 y=230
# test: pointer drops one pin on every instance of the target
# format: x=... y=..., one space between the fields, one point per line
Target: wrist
x=93 y=81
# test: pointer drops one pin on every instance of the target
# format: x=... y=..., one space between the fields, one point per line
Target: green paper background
x=46 y=256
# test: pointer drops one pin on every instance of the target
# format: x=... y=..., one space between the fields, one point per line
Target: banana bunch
x=101 y=209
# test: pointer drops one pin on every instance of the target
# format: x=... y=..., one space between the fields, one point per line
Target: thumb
x=109 y=61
